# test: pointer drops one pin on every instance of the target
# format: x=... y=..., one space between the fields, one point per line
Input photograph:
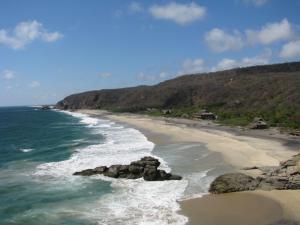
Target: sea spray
x=131 y=201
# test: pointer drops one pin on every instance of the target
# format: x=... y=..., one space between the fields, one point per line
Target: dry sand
x=239 y=151
x=257 y=207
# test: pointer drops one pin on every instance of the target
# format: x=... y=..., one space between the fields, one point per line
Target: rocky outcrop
x=282 y=177
x=232 y=182
x=205 y=115
x=146 y=167
x=258 y=123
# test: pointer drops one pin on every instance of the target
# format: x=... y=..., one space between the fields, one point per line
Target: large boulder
x=113 y=171
x=150 y=173
x=232 y=182
x=146 y=167
x=282 y=177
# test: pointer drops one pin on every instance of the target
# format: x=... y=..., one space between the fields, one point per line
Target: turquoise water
x=40 y=150
x=30 y=137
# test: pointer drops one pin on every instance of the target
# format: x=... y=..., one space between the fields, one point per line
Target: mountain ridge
x=271 y=91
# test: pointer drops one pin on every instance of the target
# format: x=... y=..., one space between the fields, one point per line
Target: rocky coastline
x=146 y=168
x=286 y=176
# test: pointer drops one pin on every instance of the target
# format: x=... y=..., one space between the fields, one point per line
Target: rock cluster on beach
x=282 y=177
x=146 y=167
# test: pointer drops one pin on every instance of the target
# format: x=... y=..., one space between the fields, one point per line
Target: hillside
x=237 y=95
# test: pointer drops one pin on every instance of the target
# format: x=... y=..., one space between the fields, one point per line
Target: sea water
x=41 y=149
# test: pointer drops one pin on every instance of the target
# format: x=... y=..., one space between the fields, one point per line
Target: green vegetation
x=277 y=117
x=236 y=96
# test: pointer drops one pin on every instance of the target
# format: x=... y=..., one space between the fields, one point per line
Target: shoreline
x=239 y=148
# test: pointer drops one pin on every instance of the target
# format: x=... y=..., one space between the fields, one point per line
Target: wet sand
x=238 y=148
x=232 y=209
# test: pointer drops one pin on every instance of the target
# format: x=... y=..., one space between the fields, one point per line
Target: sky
x=51 y=49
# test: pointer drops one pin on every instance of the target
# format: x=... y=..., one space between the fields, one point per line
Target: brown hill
x=271 y=91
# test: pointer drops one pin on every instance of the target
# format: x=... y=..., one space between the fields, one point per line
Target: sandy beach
x=238 y=148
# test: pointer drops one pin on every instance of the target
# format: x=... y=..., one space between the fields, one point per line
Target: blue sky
x=50 y=49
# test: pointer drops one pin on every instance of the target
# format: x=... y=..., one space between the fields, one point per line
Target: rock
x=232 y=182
x=166 y=111
x=150 y=173
x=282 y=177
x=113 y=171
x=146 y=167
x=45 y=107
x=87 y=172
x=271 y=183
x=175 y=177
x=291 y=162
x=205 y=115
x=163 y=175
x=135 y=169
x=258 y=123
x=250 y=168
x=100 y=169
x=148 y=160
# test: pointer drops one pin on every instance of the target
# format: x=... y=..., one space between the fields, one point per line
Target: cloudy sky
x=50 y=49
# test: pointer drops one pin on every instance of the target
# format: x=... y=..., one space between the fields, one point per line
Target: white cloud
x=135 y=7
x=270 y=33
x=105 y=75
x=163 y=74
x=50 y=37
x=256 y=2
x=227 y=63
x=179 y=13
x=143 y=76
x=192 y=66
x=220 y=41
x=8 y=74
x=25 y=33
x=34 y=84
x=151 y=77
x=290 y=49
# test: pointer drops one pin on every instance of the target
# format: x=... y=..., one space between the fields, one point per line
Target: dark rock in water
x=146 y=167
x=100 y=169
x=174 y=177
x=282 y=177
x=232 y=182
x=135 y=169
x=113 y=171
x=45 y=107
x=150 y=173
x=87 y=172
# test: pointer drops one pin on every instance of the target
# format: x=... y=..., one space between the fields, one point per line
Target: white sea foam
x=132 y=201
x=26 y=149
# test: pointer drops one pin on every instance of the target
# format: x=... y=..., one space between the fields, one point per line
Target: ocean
x=41 y=149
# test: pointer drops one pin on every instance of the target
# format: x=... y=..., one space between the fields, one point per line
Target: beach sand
x=245 y=208
x=239 y=148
